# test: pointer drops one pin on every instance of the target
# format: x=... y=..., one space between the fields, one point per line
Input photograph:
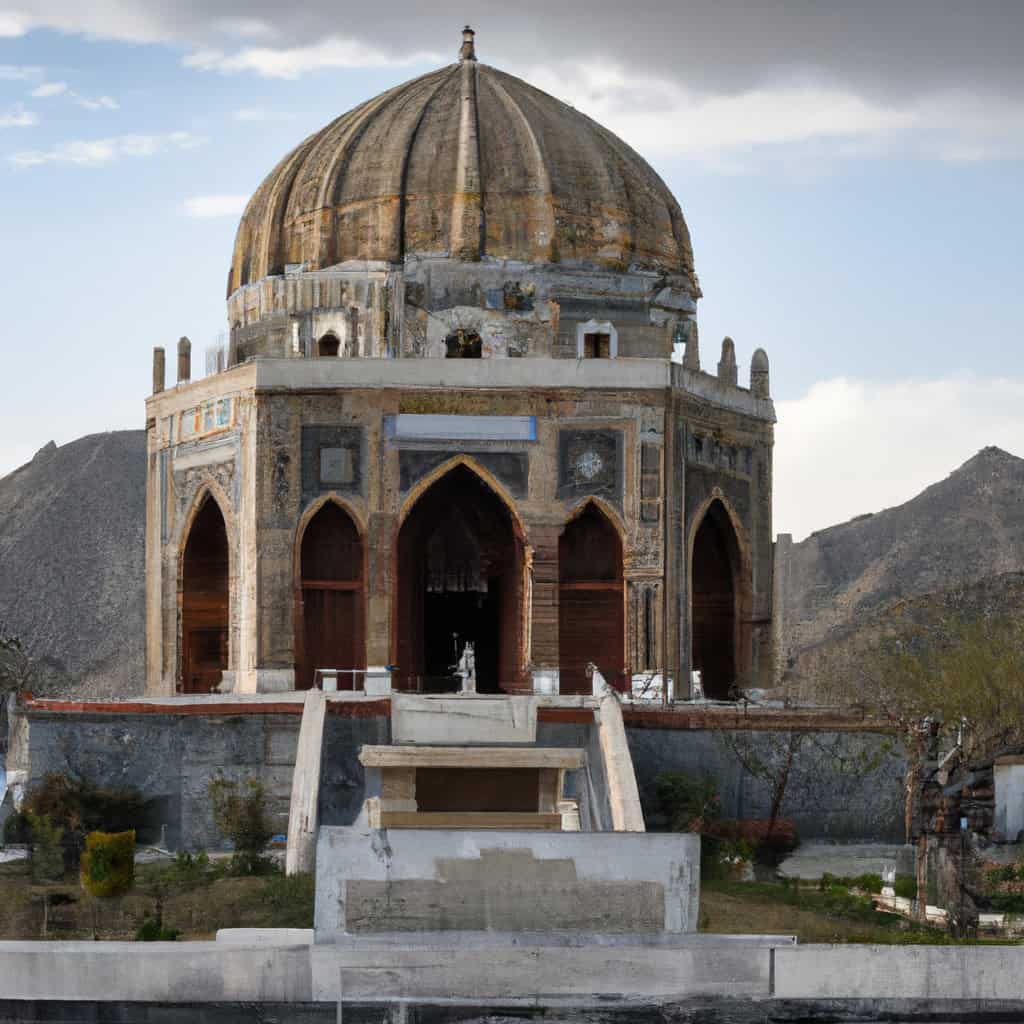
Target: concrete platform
x=812 y=860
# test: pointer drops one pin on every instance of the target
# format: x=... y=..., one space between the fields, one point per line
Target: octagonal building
x=448 y=413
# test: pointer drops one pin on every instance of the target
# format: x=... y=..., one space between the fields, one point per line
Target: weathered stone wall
x=843 y=786
x=170 y=759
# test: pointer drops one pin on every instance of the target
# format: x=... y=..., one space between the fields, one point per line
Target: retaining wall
x=970 y=979
x=842 y=786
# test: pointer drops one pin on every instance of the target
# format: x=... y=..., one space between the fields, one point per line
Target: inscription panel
x=332 y=460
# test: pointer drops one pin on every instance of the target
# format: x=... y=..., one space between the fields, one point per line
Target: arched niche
x=205 y=600
x=328 y=346
x=459 y=579
x=591 y=601
x=329 y=619
x=719 y=598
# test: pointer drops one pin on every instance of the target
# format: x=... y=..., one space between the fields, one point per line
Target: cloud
x=18 y=117
x=741 y=126
x=48 y=89
x=262 y=114
x=706 y=79
x=19 y=72
x=102 y=103
x=97 y=152
x=851 y=446
x=214 y=206
x=246 y=28
x=293 y=62
x=898 y=50
x=12 y=24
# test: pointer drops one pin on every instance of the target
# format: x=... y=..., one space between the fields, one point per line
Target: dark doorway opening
x=591 y=610
x=463 y=345
x=597 y=346
x=204 y=601
x=329 y=619
x=713 y=618
x=459 y=581
x=328 y=345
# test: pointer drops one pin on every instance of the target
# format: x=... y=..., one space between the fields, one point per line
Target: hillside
x=964 y=530
x=72 y=529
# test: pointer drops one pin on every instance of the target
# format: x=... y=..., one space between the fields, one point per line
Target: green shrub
x=867 y=882
x=108 y=863
x=154 y=931
x=17 y=829
x=905 y=886
x=241 y=816
x=81 y=807
x=688 y=802
x=46 y=855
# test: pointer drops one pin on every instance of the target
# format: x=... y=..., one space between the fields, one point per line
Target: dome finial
x=467 y=50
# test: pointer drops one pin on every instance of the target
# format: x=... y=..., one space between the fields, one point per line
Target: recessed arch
x=591 y=600
x=204 y=596
x=329 y=345
x=487 y=477
x=608 y=511
x=720 y=593
x=460 y=577
x=330 y=599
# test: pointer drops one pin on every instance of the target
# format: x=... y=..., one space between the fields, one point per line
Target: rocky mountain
x=964 y=534
x=72 y=533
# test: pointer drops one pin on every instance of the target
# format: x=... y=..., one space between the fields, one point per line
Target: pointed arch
x=428 y=481
x=205 y=592
x=720 y=596
x=329 y=573
x=460 y=570
x=591 y=599
x=608 y=511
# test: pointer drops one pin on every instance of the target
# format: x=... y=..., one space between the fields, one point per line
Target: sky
x=851 y=175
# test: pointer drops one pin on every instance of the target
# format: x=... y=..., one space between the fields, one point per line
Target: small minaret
x=467 y=51
x=159 y=370
x=759 y=384
x=727 y=373
x=184 y=360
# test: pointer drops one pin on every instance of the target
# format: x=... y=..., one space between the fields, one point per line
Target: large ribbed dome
x=466 y=162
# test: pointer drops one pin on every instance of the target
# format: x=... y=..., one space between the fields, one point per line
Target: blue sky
x=861 y=225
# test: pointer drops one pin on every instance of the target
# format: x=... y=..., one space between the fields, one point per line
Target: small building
x=449 y=414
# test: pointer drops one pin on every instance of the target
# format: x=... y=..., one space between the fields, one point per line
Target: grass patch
x=194 y=900
x=813 y=915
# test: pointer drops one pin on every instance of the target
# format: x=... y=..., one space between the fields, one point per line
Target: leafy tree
x=46 y=856
x=241 y=815
x=80 y=807
x=950 y=679
x=780 y=759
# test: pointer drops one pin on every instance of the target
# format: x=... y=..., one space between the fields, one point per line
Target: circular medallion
x=589 y=464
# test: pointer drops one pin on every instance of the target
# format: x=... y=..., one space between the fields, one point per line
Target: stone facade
x=395 y=371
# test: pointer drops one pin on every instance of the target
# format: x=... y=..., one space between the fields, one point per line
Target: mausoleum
x=462 y=404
